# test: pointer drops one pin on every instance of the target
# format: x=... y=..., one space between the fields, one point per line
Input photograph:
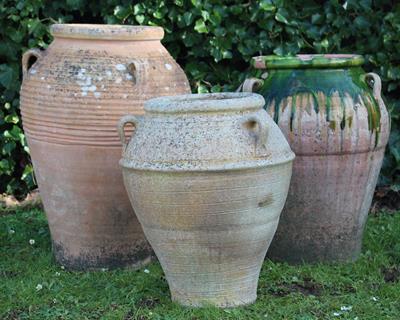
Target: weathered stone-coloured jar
x=71 y=99
x=207 y=176
x=338 y=128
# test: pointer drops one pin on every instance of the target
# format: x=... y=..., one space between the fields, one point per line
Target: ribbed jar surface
x=338 y=128
x=208 y=176
x=77 y=91
x=72 y=97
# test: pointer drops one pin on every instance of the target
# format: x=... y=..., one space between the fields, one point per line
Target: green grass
x=370 y=287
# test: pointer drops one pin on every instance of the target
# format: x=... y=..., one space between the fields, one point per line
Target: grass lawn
x=33 y=286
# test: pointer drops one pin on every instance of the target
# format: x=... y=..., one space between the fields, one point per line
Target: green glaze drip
x=328 y=108
x=343 y=121
x=315 y=100
x=292 y=113
x=341 y=82
x=350 y=121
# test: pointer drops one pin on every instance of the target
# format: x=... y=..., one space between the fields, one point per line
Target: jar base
x=219 y=302
x=134 y=258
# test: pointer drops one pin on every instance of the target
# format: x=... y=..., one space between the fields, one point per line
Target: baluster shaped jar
x=207 y=176
x=335 y=121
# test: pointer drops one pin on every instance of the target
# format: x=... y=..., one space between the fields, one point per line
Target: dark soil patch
x=9 y=204
x=14 y=314
x=8 y=274
x=391 y=274
x=308 y=288
x=131 y=316
x=149 y=302
x=336 y=291
x=385 y=199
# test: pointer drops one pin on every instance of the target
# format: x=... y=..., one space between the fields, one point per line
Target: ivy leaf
x=202 y=89
x=6 y=76
x=316 y=18
x=140 y=18
x=279 y=51
x=325 y=43
x=28 y=171
x=8 y=148
x=188 y=17
x=122 y=12
x=14 y=134
x=280 y=17
x=267 y=5
x=362 y=22
x=11 y=118
x=138 y=9
x=200 y=26
x=6 y=166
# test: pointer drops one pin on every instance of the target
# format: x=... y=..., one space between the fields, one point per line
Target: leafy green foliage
x=33 y=286
x=214 y=42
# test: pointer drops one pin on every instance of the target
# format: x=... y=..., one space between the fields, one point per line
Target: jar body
x=338 y=129
x=71 y=99
x=208 y=198
x=210 y=230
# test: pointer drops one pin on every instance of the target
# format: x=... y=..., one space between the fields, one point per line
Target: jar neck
x=318 y=61
x=129 y=48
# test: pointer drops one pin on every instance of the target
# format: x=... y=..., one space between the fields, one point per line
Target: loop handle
x=258 y=125
x=121 y=126
x=250 y=85
x=133 y=70
x=376 y=86
x=37 y=53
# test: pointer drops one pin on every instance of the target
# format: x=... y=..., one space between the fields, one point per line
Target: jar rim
x=106 y=32
x=205 y=102
x=306 y=61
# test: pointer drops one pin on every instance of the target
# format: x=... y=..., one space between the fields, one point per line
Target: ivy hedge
x=213 y=40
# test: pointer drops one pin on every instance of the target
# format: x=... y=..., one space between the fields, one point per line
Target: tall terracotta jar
x=208 y=176
x=72 y=96
x=335 y=120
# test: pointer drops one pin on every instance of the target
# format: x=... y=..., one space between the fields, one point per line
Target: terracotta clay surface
x=72 y=96
x=335 y=121
x=207 y=176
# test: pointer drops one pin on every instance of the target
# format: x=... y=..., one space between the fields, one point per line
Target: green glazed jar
x=336 y=122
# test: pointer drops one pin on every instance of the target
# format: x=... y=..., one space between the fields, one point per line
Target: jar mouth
x=305 y=61
x=106 y=32
x=206 y=102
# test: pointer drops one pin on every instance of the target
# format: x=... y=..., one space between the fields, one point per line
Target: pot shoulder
x=203 y=143
x=76 y=92
x=326 y=111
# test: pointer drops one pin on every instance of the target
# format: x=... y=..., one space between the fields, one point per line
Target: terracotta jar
x=207 y=176
x=335 y=120
x=72 y=96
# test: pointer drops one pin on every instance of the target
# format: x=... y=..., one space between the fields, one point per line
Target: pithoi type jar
x=72 y=96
